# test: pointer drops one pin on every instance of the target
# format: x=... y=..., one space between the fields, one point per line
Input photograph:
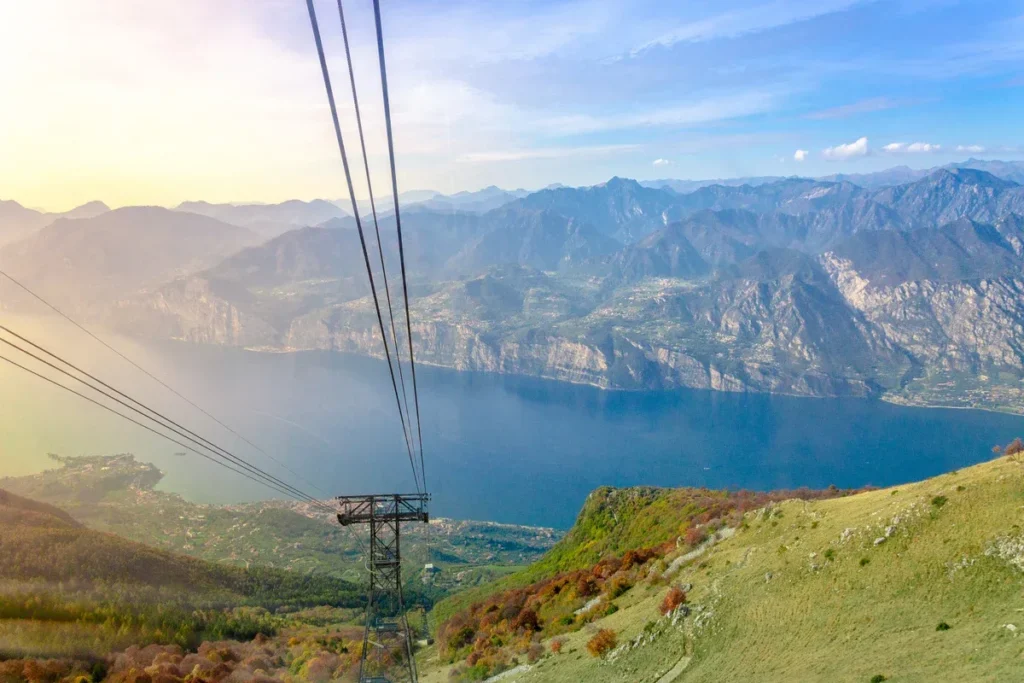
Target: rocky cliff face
x=796 y=287
x=194 y=310
x=968 y=326
x=803 y=331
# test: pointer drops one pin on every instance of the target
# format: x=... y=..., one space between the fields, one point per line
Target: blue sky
x=517 y=94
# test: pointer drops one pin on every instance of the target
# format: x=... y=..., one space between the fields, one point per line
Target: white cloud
x=911 y=148
x=857 y=148
x=800 y=155
x=662 y=162
x=970 y=149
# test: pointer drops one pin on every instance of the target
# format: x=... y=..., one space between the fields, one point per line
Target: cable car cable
x=157 y=379
x=398 y=223
x=359 y=225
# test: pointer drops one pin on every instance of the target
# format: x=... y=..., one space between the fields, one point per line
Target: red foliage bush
x=527 y=621
x=603 y=641
x=556 y=645
x=586 y=587
x=694 y=536
x=675 y=597
x=638 y=558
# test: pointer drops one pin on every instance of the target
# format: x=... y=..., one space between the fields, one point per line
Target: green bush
x=864 y=561
x=943 y=626
x=939 y=501
x=878 y=678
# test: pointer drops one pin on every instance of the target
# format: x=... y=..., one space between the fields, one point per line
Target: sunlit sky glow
x=138 y=102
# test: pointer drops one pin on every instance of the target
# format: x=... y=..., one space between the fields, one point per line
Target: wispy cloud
x=911 y=148
x=861 y=107
x=800 y=155
x=970 y=149
x=708 y=110
x=751 y=19
x=852 y=150
x=661 y=162
x=543 y=153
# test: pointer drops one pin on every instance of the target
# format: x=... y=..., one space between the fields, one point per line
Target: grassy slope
x=614 y=521
x=611 y=522
x=817 y=619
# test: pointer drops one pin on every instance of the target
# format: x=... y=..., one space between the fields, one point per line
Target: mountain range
x=911 y=291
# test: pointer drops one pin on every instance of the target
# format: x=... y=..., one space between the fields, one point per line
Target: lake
x=499 y=448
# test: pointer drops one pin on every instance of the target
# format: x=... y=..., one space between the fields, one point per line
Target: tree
x=695 y=536
x=675 y=597
x=603 y=641
x=1015 y=449
x=527 y=620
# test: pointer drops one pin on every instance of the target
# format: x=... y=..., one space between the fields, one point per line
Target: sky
x=142 y=102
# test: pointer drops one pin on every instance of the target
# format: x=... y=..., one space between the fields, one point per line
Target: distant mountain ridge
x=796 y=286
x=18 y=222
x=84 y=263
x=268 y=220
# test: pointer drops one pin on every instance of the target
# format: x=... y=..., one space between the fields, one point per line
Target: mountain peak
x=87 y=210
x=972 y=176
x=616 y=183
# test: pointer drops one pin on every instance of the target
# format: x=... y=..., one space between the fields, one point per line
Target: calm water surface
x=521 y=450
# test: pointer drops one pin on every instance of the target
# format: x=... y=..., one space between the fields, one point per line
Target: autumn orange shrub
x=618 y=586
x=586 y=587
x=603 y=641
x=556 y=645
x=695 y=536
x=527 y=620
x=501 y=628
x=675 y=597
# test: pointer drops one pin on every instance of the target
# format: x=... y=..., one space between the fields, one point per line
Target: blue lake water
x=513 y=449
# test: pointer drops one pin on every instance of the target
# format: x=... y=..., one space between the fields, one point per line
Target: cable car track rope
x=325 y=72
x=373 y=210
x=398 y=221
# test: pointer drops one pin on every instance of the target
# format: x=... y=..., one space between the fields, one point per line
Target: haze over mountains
x=851 y=286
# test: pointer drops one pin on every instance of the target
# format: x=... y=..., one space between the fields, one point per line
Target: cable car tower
x=386 y=636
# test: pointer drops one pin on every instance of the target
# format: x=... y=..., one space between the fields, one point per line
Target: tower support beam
x=387 y=639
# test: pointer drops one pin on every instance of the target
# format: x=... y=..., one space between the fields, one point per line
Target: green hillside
x=41 y=543
x=66 y=590
x=116 y=494
x=922 y=582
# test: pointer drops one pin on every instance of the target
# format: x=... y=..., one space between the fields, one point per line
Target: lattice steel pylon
x=387 y=639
